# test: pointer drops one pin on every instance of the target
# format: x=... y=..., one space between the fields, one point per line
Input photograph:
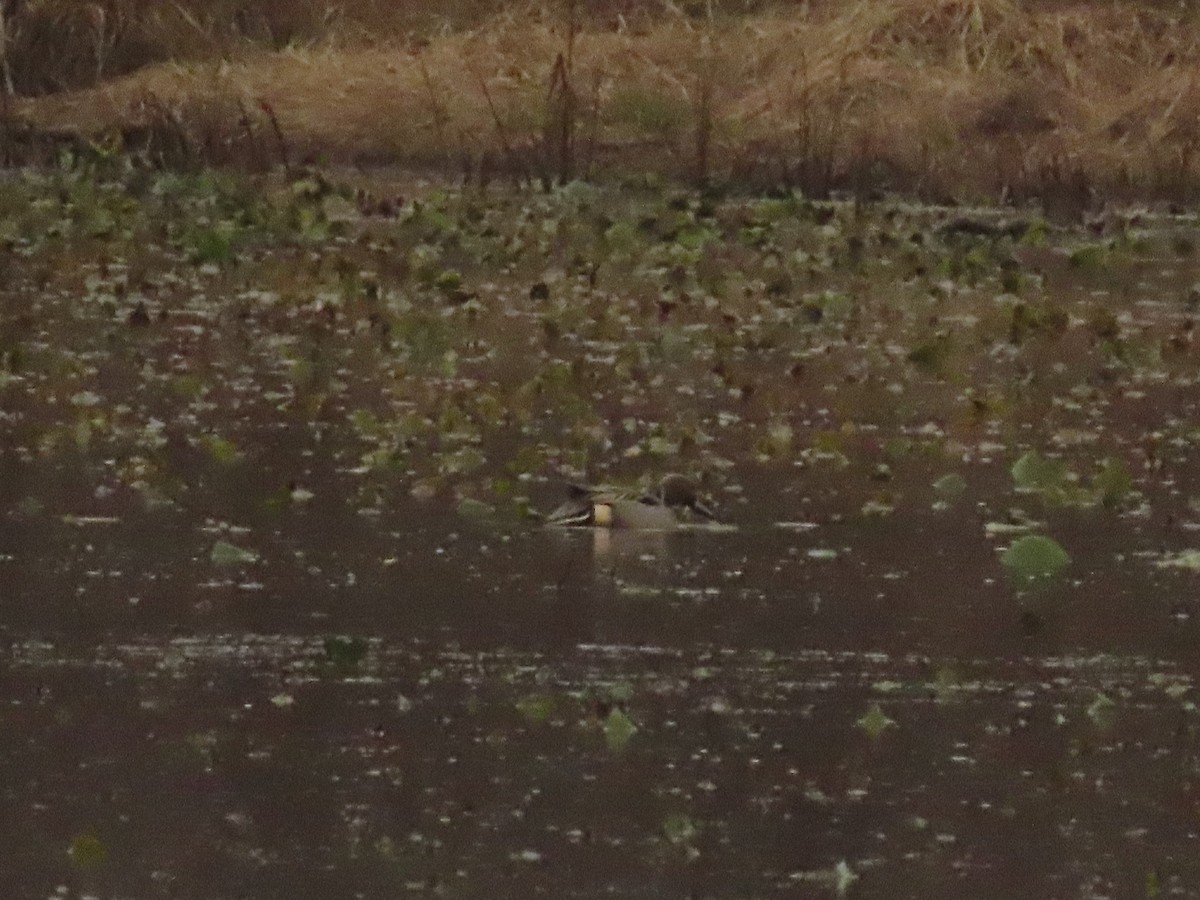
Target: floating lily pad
x=874 y=722
x=1089 y=256
x=618 y=729
x=536 y=707
x=680 y=829
x=949 y=488
x=1034 y=557
x=1034 y=472
x=932 y=355
x=345 y=652
x=227 y=554
x=1102 y=711
x=1112 y=483
x=211 y=246
x=87 y=851
x=221 y=449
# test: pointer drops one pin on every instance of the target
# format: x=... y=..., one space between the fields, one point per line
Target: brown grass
x=963 y=98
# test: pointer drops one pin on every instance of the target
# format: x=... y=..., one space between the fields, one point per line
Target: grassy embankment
x=960 y=99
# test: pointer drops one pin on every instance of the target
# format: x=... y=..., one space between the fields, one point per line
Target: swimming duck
x=602 y=506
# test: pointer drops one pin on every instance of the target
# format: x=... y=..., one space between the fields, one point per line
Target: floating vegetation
x=87 y=851
x=1034 y=558
x=949 y=489
x=536 y=708
x=472 y=338
x=344 y=652
x=875 y=722
x=224 y=553
x=618 y=729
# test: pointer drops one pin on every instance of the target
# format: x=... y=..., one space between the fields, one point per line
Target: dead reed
x=971 y=99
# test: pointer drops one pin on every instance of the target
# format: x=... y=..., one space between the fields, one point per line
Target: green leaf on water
x=345 y=652
x=536 y=707
x=680 y=830
x=949 y=488
x=87 y=851
x=875 y=722
x=1153 y=885
x=461 y=462
x=470 y=508
x=695 y=236
x=1034 y=472
x=211 y=245
x=227 y=554
x=619 y=692
x=658 y=445
x=1089 y=256
x=448 y=281
x=221 y=449
x=946 y=684
x=1102 y=711
x=1034 y=557
x=621 y=237
x=1112 y=483
x=778 y=438
x=931 y=355
x=618 y=729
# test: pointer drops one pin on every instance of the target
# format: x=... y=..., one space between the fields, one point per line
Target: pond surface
x=276 y=621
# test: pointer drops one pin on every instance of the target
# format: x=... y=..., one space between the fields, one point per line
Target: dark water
x=839 y=693
x=198 y=728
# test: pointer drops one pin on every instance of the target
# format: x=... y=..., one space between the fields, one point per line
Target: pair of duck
x=602 y=506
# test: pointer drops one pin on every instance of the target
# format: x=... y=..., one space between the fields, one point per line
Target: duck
x=603 y=506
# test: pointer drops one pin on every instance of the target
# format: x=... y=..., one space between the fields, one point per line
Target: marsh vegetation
x=1073 y=103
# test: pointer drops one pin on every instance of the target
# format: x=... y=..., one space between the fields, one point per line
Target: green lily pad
x=87 y=851
x=1112 y=483
x=462 y=461
x=1102 y=711
x=211 y=245
x=1089 y=256
x=345 y=652
x=949 y=488
x=536 y=707
x=680 y=830
x=618 y=729
x=932 y=355
x=1034 y=557
x=1034 y=472
x=221 y=449
x=448 y=281
x=227 y=554
x=875 y=722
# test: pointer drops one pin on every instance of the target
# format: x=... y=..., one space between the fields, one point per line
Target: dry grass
x=969 y=98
